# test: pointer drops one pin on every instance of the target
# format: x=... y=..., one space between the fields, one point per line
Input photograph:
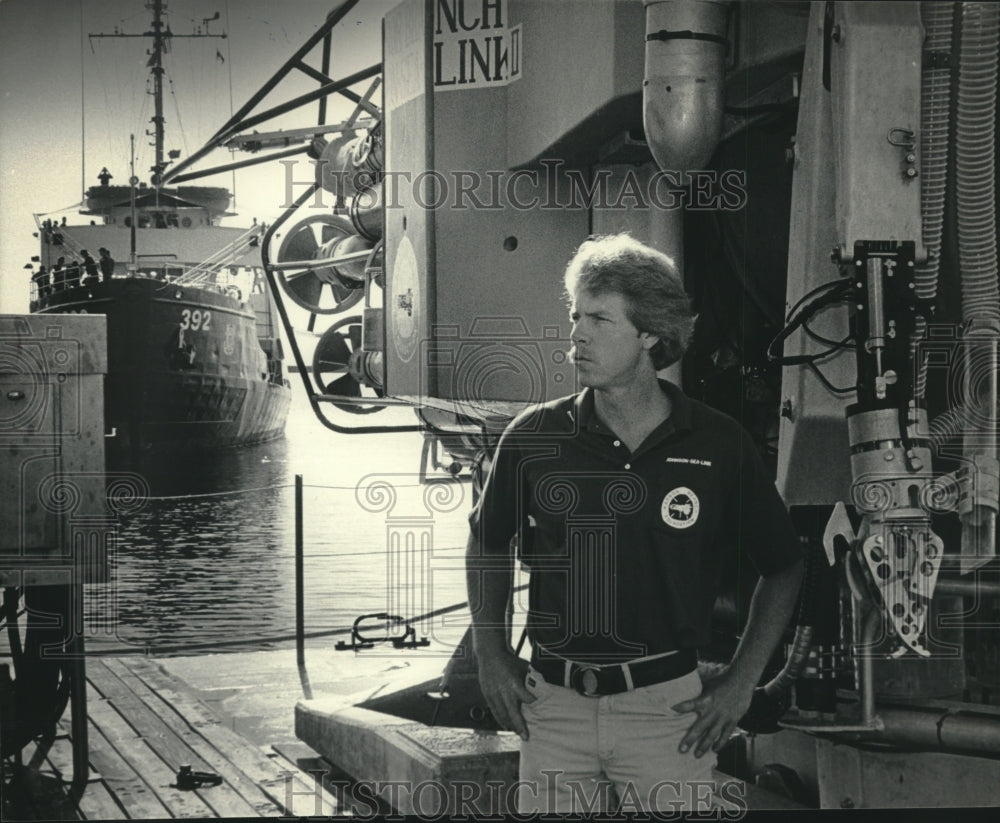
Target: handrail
x=200 y=273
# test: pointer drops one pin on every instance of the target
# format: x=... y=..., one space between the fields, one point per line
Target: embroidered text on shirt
x=694 y=461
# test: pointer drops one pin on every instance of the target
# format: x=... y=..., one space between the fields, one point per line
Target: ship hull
x=185 y=368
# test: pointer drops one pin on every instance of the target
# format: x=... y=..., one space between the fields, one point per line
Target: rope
x=280 y=638
x=290 y=486
x=218 y=494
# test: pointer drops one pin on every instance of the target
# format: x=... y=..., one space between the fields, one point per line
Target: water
x=208 y=559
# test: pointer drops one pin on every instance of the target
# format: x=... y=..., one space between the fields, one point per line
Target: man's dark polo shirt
x=625 y=549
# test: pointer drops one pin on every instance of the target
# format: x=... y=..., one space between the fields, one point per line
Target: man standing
x=59 y=275
x=41 y=280
x=626 y=501
x=89 y=268
x=107 y=264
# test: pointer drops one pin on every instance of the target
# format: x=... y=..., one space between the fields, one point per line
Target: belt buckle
x=585 y=681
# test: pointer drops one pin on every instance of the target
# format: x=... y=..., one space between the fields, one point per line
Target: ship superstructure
x=194 y=357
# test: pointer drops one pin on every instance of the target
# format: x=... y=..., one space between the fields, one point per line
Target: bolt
x=911 y=157
x=911 y=172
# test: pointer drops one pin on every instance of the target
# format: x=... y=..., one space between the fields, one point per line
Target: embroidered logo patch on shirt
x=680 y=508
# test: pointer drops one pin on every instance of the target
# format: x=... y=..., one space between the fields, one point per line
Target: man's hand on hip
x=501 y=678
x=722 y=702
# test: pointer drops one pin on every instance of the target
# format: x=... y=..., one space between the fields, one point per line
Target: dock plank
x=292 y=791
x=300 y=756
x=95 y=800
x=136 y=797
x=251 y=797
x=142 y=756
x=143 y=723
x=224 y=800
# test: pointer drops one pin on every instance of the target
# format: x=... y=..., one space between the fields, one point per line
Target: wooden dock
x=143 y=725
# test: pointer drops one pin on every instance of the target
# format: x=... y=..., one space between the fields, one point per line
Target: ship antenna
x=133 y=181
x=83 y=116
x=156 y=72
x=161 y=43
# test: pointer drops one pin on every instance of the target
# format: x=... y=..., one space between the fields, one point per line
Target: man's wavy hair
x=649 y=282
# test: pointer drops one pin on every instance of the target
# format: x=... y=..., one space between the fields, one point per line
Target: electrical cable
x=846 y=344
x=826 y=382
x=830 y=284
x=829 y=296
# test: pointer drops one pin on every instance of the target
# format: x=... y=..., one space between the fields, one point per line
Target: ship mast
x=156 y=72
x=161 y=36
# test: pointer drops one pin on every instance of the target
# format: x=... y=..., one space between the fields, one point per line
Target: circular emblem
x=404 y=300
x=680 y=508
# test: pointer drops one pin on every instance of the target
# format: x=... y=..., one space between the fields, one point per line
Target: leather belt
x=594 y=681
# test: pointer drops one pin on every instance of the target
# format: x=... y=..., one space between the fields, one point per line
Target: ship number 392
x=196 y=319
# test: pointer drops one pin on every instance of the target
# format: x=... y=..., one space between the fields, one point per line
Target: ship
x=194 y=356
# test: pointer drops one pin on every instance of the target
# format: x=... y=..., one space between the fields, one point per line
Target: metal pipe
x=301 y=100
x=954 y=587
x=300 y=621
x=325 y=64
x=279 y=138
x=240 y=164
x=368 y=401
x=78 y=694
x=866 y=665
x=350 y=257
x=941 y=729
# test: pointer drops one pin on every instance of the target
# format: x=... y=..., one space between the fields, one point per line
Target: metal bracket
x=839 y=525
x=408 y=640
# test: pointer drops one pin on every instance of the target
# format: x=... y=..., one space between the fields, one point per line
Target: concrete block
x=416 y=768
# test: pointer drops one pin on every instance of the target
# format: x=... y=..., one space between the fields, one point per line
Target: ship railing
x=205 y=271
x=66 y=239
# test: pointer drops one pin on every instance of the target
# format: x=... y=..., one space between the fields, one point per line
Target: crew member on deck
x=41 y=280
x=107 y=264
x=59 y=275
x=73 y=274
x=90 y=267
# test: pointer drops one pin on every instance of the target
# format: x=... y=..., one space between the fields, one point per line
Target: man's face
x=607 y=349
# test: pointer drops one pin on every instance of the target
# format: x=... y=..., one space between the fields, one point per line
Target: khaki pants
x=599 y=754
